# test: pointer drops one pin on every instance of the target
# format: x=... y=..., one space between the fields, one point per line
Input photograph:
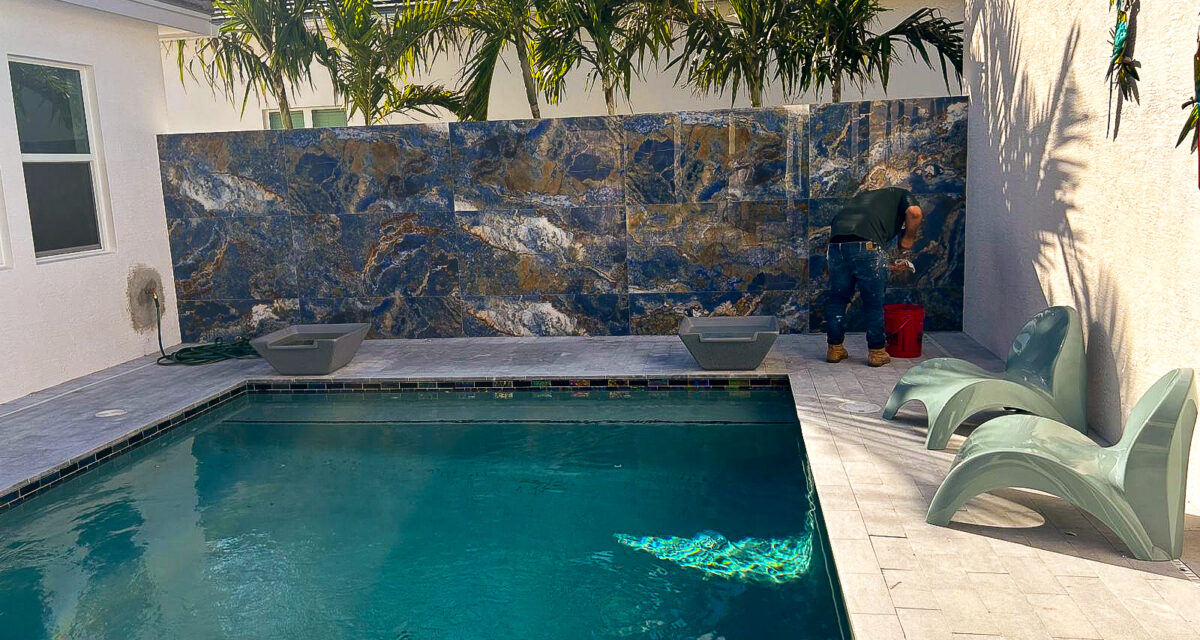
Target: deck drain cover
x=110 y=413
x=860 y=407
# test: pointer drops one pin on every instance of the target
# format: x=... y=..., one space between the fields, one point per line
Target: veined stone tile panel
x=797 y=158
x=537 y=163
x=649 y=158
x=702 y=156
x=577 y=250
x=382 y=254
x=758 y=150
x=233 y=258
x=378 y=169
x=207 y=320
x=394 y=316
x=919 y=144
x=838 y=141
x=730 y=246
x=222 y=175
x=660 y=313
x=546 y=315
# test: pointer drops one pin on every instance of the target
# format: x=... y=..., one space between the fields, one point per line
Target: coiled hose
x=216 y=351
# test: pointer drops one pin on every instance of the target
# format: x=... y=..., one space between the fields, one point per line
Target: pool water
x=530 y=516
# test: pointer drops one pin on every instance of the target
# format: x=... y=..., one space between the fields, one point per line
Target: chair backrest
x=1155 y=446
x=1049 y=353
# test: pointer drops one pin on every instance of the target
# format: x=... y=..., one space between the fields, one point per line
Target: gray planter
x=729 y=343
x=311 y=349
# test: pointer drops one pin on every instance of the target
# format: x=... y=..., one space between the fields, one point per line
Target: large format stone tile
x=546 y=315
x=660 y=313
x=233 y=258
x=919 y=144
x=837 y=147
x=380 y=169
x=577 y=250
x=222 y=174
x=732 y=155
x=649 y=158
x=537 y=163
x=394 y=316
x=371 y=255
x=733 y=246
x=208 y=320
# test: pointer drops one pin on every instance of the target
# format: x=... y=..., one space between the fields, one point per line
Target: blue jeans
x=851 y=264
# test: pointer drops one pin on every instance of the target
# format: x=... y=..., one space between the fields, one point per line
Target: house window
x=323 y=117
x=59 y=157
x=275 y=121
x=328 y=117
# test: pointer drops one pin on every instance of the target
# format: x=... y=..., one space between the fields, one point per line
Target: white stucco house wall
x=64 y=304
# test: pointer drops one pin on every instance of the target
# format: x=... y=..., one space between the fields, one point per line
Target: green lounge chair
x=1135 y=487
x=1045 y=375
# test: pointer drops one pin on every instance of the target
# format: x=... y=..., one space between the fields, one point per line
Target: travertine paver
x=1015 y=564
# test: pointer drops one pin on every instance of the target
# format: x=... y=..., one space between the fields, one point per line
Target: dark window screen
x=62 y=207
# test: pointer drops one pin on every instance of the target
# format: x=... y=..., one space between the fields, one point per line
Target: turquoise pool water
x=524 y=516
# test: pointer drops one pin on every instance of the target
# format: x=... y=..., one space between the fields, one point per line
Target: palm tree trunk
x=285 y=109
x=836 y=88
x=610 y=93
x=756 y=94
x=527 y=76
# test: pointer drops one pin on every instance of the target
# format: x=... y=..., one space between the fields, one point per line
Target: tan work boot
x=836 y=353
x=878 y=357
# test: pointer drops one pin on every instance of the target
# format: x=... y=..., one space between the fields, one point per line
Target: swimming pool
x=536 y=514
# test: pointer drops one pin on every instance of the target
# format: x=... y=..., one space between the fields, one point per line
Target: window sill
x=77 y=255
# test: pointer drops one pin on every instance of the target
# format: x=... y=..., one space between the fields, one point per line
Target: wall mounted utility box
x=311 y=349
x=730 y=343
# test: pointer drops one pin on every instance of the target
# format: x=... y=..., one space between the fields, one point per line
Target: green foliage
x=612 y=38
x=837 y=46
x=491 y=26
x=265 y=45
x=372 y=54
x=1190 y=125
x=755 y=41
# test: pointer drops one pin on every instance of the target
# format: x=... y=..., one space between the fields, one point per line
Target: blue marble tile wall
x=580 y=226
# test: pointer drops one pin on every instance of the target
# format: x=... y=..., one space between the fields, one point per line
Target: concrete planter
x=729 y=343
x=311 y=349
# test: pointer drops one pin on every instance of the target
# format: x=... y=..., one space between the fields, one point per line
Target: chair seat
x=1044 y=438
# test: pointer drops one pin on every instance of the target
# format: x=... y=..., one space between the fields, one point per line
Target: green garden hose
x=237 y=349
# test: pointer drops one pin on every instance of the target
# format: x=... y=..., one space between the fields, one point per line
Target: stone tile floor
x=1016 y=564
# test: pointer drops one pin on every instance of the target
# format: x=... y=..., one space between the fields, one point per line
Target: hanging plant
x=1122 y=69
x=1193 y=121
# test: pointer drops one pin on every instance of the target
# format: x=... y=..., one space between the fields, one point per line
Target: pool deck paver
x=1014 y=564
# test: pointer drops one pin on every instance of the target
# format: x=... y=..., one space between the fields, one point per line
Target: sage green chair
x=1046 y=375
x=1135 y=487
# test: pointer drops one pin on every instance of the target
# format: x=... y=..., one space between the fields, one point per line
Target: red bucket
x=904 y=324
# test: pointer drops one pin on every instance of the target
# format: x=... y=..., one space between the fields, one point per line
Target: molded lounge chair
x=1045 y=375
x=1135 y=487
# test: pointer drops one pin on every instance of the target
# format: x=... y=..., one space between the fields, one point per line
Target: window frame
x=94 y=159
x=307 y=115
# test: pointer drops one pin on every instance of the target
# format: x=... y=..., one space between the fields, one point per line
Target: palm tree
x=493 y=26
x=372 y=52
x=754 y=41
x=838 y=46
x=611 y=37
x=265 y=45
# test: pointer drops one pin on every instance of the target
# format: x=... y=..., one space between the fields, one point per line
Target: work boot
x=836 y=353
x=878 y=357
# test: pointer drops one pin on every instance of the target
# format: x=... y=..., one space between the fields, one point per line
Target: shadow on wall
x=1032 y=130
